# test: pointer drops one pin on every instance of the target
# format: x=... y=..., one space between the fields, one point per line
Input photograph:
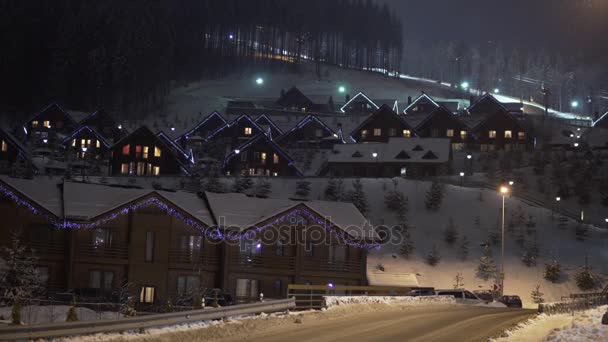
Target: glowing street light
x=342 y=89
x=237 y=151
x=172 y=129
x=496 y=91
x=575 y=144
x=259 y=81
x=464 y=85
x=330 y=285
x=469 y=157
x=119 y=126
x=504 y=190
x=231 y=36
x=375 y=155
x=574 y=104
x=511 y=183
x=557 y=199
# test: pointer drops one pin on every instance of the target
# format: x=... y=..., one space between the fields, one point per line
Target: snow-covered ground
x=333 y=301
x=582 y=326
x=33 y=314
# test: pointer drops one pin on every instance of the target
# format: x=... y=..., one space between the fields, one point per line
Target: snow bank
x=586 y=326
x=535 y=329
x=332 y=301
x=33 y=314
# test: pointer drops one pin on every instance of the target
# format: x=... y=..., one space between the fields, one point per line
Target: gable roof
x=100 y=115
x=86 y=129
x=56 y=107
x=271 y=143
x=396 y=150
x=440 y=110
x=487 y=118
x=11 y=140
x=601 y=121
x=359 y=95
x=236 y=122
x=45 y=195
x=294 y=97
x=488 y=98
x=422 y=99
x=311 y=119
x=383 y=110
x=264 y=120
x=213 y=115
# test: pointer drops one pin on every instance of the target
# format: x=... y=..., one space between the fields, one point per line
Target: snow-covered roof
x=45 y=193
x=238 y=211
x=396 y=150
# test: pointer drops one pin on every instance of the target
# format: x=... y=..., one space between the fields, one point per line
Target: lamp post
x=84 y=162
x=606 y=219
x=462 y=179
x=375 y=156
x=557 y=200
x=504 y=191
x=469 y=164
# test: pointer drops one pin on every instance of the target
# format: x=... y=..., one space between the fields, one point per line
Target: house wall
x=388 y=170
x=385 y=123
x=500 y=123
x=167 y=161
x=251 y=159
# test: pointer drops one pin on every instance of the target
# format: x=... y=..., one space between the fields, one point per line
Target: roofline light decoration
x=235 y=121
x=213 y=232
x=251 y=141
x=92 y=131
x=483 y=97
x=599 y=119
x=204 y=121
x=58 y=106
x=166 y=138
x=270 y=122
x=423 y=95
x=304 y=122
x=354 y=97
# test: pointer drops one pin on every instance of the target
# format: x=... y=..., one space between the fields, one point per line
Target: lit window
x=138 y=151
x=492 y=134
x=263 y=156
x=88 y=142
x=248 y=130
x=126 y=150
x=146 y=295
x=124 y=169
x=377 y=132
x=275 y=174
x=97 y=143
x=73 y=142
x=157 y=151
x=46 y=124
x=83 y=143
x=521 y=135
x=146 y=150
x=35 y=123
x=392 y=132
x=407 y=133
x=141 y=168
x=463 y=135
x=508 y=134
x=449 y=133
x=4 y=146
x=252 y=172
x=156 y=171
x=364 y=134
x=275 y=158
x=148 y=169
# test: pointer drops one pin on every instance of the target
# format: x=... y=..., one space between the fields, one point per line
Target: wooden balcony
x=187 y=257
x=325 y=265
x=114 y=251
x=46 y=248
x=262 y=262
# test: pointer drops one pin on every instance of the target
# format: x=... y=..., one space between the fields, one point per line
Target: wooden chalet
x=50 y=126
x=359 y=104
x=143 y=153
x=272 y=130
x=295 y=100
x=310 y=132
x=441 y=123
x=195 y=137
x=260 y=156
x=399 y=157
x=235 y=133
x=86 y=142
x=11 y=151
x=382 y=125
x=423 y=104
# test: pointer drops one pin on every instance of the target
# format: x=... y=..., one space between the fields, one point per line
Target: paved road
x=446 y=323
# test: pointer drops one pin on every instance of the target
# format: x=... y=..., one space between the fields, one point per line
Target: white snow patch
x=34 y=314
x=332 y=301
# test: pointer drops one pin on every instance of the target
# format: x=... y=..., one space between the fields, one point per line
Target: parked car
x=485 y=295
x=511 y=301
x=463 y=296
x=422 y=291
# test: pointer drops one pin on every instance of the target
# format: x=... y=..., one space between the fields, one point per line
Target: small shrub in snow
x=581 y=231
x=334 y=191
x=263 y=188
x=16 y=312
x=450 y=234
x=553 y=271
x=585 y=279
x=302 y=189
x=434 y=196
x=358 y=198
x=433 y=257
x=242 y=184
x=72 y=316
x=458 y=281
x=536 y=295
x=530 y=254
x=487 y=267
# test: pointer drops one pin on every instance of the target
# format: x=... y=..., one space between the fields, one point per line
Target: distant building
x=310 y=132
x=143 y=153
x=359 y=104
x=272 y=130
x=86 y=142
x=399 y=157
x=11 y=151
x=235 y=133
x=382 y=125
x=50 y=126
x=260 y=156
x=293 y=101
x=195 y=137
x=441 y=123
x=104 y=125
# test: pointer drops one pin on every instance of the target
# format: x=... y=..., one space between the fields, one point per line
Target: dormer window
x=248 y=131
x=157 y=151
x=417 y=148
x=357 y=154
x=35 y=123
x=429 y=155
x=46 y=124
x=4 y=146
x=407 y=133
x=402 y=155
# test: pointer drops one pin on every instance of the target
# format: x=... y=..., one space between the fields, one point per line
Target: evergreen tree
x=407 y=246
x=302 y=189
x=585 y=279
x=19 y=278
x=464 y=248
x=433 y=257
x=263 y=188
x=358 y=198
x=434 y=196
x=458 y=281
x=530 y=254
x=537 y=296
x=553 y=271
x=487 y=267
x=450 y=234
x=334 y=191
x=242 y=183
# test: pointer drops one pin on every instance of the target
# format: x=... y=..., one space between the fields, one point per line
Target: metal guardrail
x=575 y=305
x=56 y=330
x=309 y=297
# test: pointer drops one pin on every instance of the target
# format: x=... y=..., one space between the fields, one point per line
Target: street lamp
x=462 y=179
x=375 y=155
x=574 y=104
x=259 y=81
x=469 y=157
x=504 y=191
x=496 y=90
x=511 y=183
x=342 y=89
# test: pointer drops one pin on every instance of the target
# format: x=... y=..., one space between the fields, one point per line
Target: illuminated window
x=83 y=143
x=275 y=158
x=97 y=143
x=392 y=132
x=141 y=168
x=149 y=169
x=364 y=134
x=157 y=151
x=263 y=156
x=252 y=172
x=377 y=132
x=46 y=124
x=492 y=134
x=73 y=142
x=463 y=135
x=156 y=171
x=146 y=295
x=521 y=136
x=449 y=133
x=35 y=123
x=88 y=142
x=275 y=174
x=407 y=133
x=124 y=169
x=138 y=151
x=146 y=150
x=126 y=150
x=248 y=131
x=508 y=134
x=4 y=146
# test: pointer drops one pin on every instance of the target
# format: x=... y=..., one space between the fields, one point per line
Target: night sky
x=566 y=25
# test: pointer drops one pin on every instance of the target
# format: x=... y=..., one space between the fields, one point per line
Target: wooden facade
x=272 y=130
x=441 y=123
x=104 y=125
x=49 y=126
x=142 y=153
x=310 y=132
x=85 y=143
x=382 y=125
x=260 y=157
x=359 y=104
x=195 y=137
x=502 y=131
x=11 y=151
x=235 y=133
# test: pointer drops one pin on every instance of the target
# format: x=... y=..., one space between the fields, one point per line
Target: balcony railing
x=42 y=248
x=325 y=265
x=262 y=261
x=113 y=251
x=184 y=256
